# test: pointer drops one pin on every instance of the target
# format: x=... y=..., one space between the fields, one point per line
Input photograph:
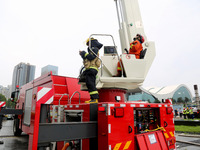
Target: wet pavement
x=11 y=142
x=184 y=146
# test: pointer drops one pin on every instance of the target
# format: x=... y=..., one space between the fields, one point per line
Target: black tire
x=16 y=130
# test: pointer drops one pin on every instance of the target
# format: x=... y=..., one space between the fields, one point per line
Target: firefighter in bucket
x=91 y=63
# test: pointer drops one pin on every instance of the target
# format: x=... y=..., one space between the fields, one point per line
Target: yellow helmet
x=87 y=41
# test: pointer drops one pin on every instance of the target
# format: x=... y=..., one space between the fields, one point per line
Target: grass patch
x=188 y=129
x=192 y=119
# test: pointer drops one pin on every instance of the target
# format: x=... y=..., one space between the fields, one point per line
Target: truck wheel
x=16 y=130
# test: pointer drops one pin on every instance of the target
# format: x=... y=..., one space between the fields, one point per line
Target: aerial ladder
x=130 y=24
x=51 y=108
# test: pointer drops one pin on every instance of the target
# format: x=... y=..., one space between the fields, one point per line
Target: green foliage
x=173 y=101
x=10 y=104
x=187 y=99
x=2 y=97
x=180 y=100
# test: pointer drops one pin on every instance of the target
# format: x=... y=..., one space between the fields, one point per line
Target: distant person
x=188 y=113
x=195 y=112
x=135 y=48
x=184 y=113
x=180 y=112
x=191 y=113
x=176 y=112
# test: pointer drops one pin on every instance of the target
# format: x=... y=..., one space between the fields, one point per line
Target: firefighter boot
x=92 y=101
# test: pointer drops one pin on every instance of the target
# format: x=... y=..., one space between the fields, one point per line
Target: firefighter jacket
x=135 y=48
x=184 y=112
x=191 y=111
x=187 y=111
x=90 y=59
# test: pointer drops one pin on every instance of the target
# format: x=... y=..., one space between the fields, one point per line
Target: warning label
x=152 y=138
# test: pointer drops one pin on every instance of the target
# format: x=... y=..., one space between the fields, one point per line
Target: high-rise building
x=48 y=68
x=22 y=74
x=6 y=91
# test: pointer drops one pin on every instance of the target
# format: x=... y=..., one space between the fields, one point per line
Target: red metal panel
x=102 y=130
x=60 y=89
x=167 y=121
x=141 y=142
x=43 y=97
x=115 y=133
x=73 y=86
x=108 y=95
x=162 y=140
x=152 y=141
x=58 y=80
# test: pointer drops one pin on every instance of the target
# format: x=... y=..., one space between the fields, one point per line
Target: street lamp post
x=196 y=96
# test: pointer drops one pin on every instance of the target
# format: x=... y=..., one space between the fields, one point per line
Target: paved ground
x=21 y=143
x=12 y=142
x=183 y=146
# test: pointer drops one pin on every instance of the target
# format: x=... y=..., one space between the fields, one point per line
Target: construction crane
x=51 y=108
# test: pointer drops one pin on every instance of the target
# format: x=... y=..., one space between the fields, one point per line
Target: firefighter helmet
x=141 y=38
x=87 y=41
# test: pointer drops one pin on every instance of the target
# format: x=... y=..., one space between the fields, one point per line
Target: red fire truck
x=54 y=115
x=51 y=108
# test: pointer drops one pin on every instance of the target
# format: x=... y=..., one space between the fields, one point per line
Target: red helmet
x=141 y=38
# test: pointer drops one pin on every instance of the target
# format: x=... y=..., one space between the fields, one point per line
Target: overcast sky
x=46 y=32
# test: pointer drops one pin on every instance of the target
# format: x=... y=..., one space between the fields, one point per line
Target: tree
x=10 y=104
x=187 y=99
x=180 y=100
x=173 y=101
x=2 y=97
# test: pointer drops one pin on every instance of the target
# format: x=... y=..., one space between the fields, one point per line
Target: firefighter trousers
x=90 y=75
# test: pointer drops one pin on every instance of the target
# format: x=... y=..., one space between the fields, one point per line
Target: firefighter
x=176 y=112
x=191 y=113
x=180 y=112
x=188 y=113
x=184 y=113
x=91 y=63
x=135 y=48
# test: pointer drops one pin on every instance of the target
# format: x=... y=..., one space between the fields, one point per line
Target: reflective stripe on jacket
x=191 y=111
x=184 y=111
x=187 y=111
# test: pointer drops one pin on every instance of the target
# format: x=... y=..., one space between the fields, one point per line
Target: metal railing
x=98 y=56
x=62 y=97
x=73 y=95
